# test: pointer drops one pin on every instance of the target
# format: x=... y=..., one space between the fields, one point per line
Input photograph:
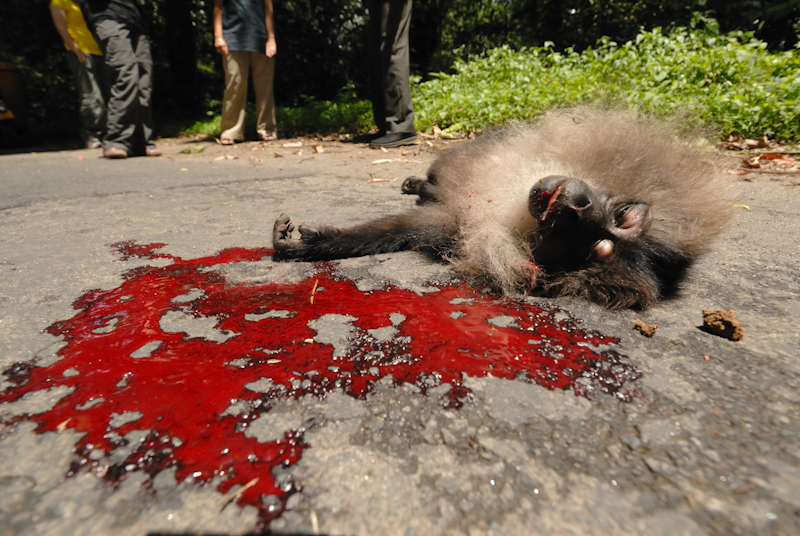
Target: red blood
x=551 y=201
x=182 y=387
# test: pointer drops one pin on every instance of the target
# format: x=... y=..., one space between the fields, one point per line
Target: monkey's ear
x=631 y=220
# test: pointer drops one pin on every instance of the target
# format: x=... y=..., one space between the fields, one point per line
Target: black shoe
x=394 y=139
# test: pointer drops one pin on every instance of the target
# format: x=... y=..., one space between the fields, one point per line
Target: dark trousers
x=92 y=85
x=129 y=67
x=390 y=65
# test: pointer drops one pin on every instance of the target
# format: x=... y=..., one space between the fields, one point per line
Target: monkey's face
x=579 y=226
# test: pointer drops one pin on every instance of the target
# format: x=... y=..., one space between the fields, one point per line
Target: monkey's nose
x=573 y=193
x=580 y=201
x=550 y=183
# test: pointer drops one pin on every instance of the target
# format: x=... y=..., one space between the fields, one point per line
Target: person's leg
x=389 y=53
x=263 y=69
x=397 y=90
x=237 y=67
x=145 y=83
x=92 y=105
x=96 y=68
x=123 y=102
x=375 y=45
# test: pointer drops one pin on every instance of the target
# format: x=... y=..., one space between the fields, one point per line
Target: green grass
x=324 y=117
x=726 y=82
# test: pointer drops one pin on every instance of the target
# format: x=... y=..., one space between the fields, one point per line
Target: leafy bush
x=320 y=117
x=727 y=81
x=327 y=117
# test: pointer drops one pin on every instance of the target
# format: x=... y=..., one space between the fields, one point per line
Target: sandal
x=226 y=141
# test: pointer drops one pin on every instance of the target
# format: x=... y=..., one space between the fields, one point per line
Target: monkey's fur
x=507 y=209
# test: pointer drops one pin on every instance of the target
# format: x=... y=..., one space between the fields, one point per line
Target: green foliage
x=442 y=30
x=29 y=39
x=327 y=117
x=728 y=81
x=321 y=49
x=346 y=116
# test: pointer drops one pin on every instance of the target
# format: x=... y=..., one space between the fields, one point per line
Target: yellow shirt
x=76 y=26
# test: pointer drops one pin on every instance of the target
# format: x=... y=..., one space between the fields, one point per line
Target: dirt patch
x=723 y=323
x=648 y=330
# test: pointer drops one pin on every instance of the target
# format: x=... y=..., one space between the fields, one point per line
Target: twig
x=232 y=496
x=776 y=151
x=768 y=172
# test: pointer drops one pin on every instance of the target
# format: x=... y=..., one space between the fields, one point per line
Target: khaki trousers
x=238 y=66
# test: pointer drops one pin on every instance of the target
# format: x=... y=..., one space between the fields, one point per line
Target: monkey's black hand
x=287 y=247
x=412 y=185
x=282 y=239
x=424 y=188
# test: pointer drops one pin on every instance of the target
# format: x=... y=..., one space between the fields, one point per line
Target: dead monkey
x=599 y=204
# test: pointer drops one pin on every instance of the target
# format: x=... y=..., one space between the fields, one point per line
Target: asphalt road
x=192 y=388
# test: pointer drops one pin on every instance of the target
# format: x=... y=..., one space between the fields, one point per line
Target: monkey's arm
x=428 y=228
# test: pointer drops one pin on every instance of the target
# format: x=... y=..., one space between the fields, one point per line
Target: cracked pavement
x=710 y=444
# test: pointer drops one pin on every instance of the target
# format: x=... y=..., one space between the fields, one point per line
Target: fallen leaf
x=758 y=143
x=748 y=163
x=779 y=158
x=318 y=148
x=745 y=207
x=293 y=144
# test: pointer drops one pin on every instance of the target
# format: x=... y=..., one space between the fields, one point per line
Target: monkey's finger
x=307 y=231
x=283 y=224
x=282 y=229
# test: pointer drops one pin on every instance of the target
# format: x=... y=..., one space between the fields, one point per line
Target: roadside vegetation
x=725 y=64
x=728 y=82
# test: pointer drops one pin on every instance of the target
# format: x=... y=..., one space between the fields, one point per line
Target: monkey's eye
x=631 y=216
x=619 y=215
